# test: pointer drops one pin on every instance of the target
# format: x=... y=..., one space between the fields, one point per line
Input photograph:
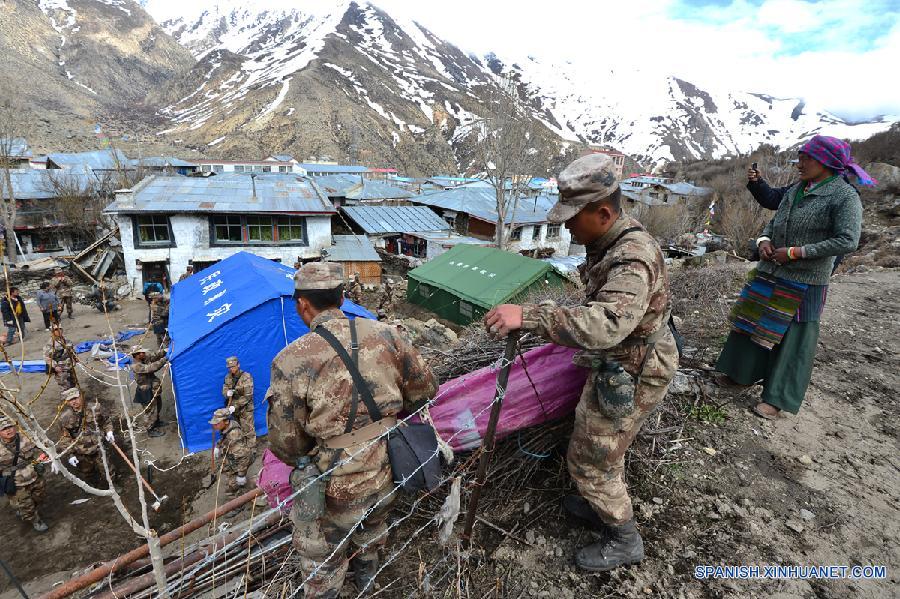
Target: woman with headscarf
x=775 y=322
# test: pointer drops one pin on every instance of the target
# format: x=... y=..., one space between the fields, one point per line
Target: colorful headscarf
x=834 y=154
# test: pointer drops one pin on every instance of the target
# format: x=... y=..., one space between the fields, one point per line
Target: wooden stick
x=133 y=469
x=487 y=447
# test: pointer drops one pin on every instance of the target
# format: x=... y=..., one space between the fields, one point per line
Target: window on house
x=535 y=233
x=153 y=229
x=283 y=169
x=451 y=220
x=553 y=232
x=205 y=168
x=425 y=290
x=45 y=241
x=227 y=229
x=260 y=229
x=218 y=168
x=290 y=228
x=239 y=168
x=267 y=169
x=466 y=310
x=516 y=234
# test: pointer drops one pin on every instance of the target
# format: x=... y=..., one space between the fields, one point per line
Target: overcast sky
x=841 y=55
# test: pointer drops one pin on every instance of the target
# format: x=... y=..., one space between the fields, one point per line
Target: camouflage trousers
x=323 y=544
x=90 y=467
x=248 y=427
x=65 y=378
x=66 y=303
x=146 y=416
x=28 y=498
x=596 y=456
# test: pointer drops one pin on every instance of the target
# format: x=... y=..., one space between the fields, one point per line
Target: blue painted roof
x=102 y=160
x=38 y=184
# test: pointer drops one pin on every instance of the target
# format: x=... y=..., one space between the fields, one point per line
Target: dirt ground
x=819 y=488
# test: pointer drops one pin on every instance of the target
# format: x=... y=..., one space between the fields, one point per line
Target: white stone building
x=168 y=222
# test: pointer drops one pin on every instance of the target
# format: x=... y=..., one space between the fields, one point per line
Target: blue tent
x=241 y=306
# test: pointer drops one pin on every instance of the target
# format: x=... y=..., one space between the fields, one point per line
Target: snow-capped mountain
x=346 y=79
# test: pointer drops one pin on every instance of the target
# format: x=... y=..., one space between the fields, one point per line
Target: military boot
x=620 y=546
x=578 y=507
x=38 y=524
x=364 y=571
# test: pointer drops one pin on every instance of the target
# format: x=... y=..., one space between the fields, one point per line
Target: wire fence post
x=487 y=446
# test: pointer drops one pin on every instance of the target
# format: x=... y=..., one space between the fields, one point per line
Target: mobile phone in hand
x=755 y=166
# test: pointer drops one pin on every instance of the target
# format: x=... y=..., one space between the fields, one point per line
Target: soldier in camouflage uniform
x=159 y=319
x=386 y=303
x=232 y=448
x=354 y=294
x=188 y=272
x=149 y=389
x=22 y=474
x=310 y=401
x=59 y=358
x=82 y=428
x=62 y=286
x=623 y=331
x=238 y=392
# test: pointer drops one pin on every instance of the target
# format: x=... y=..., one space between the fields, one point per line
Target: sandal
x=763 y=413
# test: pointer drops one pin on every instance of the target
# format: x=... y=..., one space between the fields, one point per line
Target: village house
x=211 y=165
x=471 y=210
x=345 y=190
x=168 y=222
x=53 y=216
x=165 y=165
x=617 y=157
x=414 y=231
x=316 y=169
x=101 y=162
x=665 y=194
x=357 y=255
x=16 y=152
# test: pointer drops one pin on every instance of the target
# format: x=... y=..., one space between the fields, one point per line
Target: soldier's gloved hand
x=240 y=480
x=54 y=469
x=73 y=461
x=231 y=409
x=230 y=393
x=216 y=452
x=110 y=437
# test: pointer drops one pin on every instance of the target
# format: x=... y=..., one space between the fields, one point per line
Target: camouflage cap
x=138 y=349
x=232 y=361
x=220 y=415
x=6 y=422
x=586 y=180
x=69 y=394
x=319 y=275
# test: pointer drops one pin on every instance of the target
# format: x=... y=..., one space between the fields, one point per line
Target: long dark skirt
x=785 y=371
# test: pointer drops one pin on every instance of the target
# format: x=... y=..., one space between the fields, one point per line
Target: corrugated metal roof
x=34 y=184
x=163 y=161
x=395 y=219
x=98 y=160
x=352 y=248
x=337 y=185
x=282 y=157
x=333 y=168
x=376 y=190
x=481 y=202
x=443 y=238
x=275 y=192
x=18 y=147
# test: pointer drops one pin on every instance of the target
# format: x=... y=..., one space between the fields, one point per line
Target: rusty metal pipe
x=98 y=574
x=146 y=580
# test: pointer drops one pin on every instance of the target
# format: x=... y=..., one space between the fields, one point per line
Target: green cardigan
x=825 y=222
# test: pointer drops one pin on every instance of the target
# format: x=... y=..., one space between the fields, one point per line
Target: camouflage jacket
x=56 y=354
x=354 y=293
x=82 y=430
x=243 y=391
x=159 y=314
x=62 y=286
x=28 y=455
x=627 y=299
x=311 y=393
x=145 y=372
x=234 y=450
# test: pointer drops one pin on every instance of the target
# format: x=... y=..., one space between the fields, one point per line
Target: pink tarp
x=461 y=412
x=274 y=480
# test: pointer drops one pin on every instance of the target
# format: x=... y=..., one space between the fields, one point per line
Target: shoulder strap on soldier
x=18 y=449
x=618 y=239
x=359 y=383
